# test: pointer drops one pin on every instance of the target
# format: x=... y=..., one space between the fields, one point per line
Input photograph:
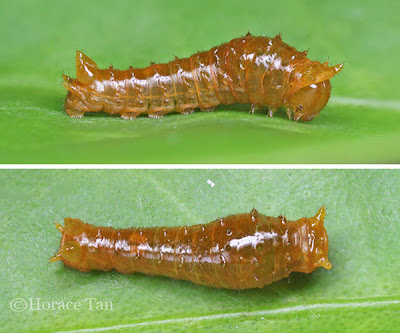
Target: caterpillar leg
x=188 y=111
x=130 y=115
x=271 y=111
x=254 y=108
x=210 y=109
x=158 y=114
x=289 y=112
x=297 y=116
x=74 y=106
x=75 y=113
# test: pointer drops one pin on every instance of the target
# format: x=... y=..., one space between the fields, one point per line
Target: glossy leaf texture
x=361 y=123
x=360 y=292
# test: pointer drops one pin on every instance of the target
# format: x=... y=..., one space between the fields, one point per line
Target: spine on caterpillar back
x=250 y=69
x=240 y=251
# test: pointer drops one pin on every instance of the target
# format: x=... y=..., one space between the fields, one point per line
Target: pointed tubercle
x=338 y=67
x=324 y=262
x=59 y=227
x=86 y=68
x=56 y=257
x=254 y=212
x=319 y=217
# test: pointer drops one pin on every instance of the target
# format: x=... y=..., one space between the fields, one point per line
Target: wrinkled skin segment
x=256 y=70
x=240 y=251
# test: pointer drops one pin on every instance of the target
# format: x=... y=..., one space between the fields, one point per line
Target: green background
x=39 y=40
x=362 y=223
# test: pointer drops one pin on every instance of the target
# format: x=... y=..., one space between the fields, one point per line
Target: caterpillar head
x=70 y=251
x=314 y=247
x=310 y=89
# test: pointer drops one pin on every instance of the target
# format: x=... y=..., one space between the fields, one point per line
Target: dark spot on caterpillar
x=245 y=70
x=205 y=253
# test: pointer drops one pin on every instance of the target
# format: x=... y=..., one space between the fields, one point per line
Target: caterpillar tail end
x=325 y=263
x=59 y=227
x=320 y=216
x=55 y=258
x=86 y=68
x=322 y=240
x=316 y=253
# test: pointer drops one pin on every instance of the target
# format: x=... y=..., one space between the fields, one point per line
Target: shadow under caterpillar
x=239 y=251
x=258 y=70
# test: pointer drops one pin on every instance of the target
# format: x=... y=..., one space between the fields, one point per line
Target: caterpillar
x=258 y=70
x=239 y=251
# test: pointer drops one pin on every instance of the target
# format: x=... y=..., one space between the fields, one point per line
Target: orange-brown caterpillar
x=252 y=69
x=240 y=251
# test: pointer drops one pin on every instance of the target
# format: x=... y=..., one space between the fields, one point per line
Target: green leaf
x=360 y=124
x=361 y=292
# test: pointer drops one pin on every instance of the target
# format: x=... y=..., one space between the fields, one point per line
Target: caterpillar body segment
x=258 y=70
x=240 y=251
